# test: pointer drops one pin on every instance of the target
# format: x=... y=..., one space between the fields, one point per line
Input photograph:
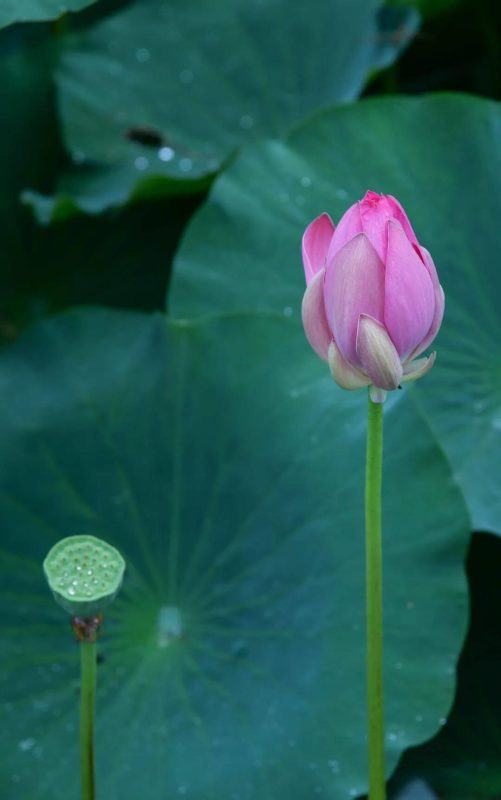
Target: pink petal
x=315 y=322
x=398 y=213
x=316 y=240
x=428 y=262
x=347 y=228
x=377 y=354
x=370 y=216
x=343 y=373
x=416 y=369
x=354 y=285
x=376 y=210
x=409 y=302
x=439 y=305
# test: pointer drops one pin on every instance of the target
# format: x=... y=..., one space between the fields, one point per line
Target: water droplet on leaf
x=141 y=163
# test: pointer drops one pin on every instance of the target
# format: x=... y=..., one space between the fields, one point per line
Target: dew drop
x=78 y=156
x=26 y=744
x=141 y=163
x=246 y=122
x=142 y=55
x=71 y=590
x=185 y=164
x=166 y=154
x=305 y=181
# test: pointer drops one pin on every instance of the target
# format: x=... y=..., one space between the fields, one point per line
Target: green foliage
x=429 y=8
x=37 y=10
x=214 y=450
x=462 y=761
x=252 y=226
x=26 y=107
x=227 y=468
x=119 y=260
x=163 y=92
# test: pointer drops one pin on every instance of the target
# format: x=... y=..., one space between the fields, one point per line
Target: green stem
x=374 y=600
x=87 y=712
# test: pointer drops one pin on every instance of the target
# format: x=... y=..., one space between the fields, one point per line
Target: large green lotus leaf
x=94 y=189
x=37 y=10
x=122 y=259
x=441 y=157
x=228 y=469
x=165 y=91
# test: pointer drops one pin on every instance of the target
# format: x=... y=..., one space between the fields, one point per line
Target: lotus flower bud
x=373 y=302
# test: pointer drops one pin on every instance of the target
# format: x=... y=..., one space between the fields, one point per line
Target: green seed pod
x=84 y=573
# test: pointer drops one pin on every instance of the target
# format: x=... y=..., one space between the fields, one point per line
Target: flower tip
x=371 y=197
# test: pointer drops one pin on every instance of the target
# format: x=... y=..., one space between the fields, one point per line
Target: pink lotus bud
x=373 y=302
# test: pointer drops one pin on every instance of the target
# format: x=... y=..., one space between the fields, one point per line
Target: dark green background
x=180 y=151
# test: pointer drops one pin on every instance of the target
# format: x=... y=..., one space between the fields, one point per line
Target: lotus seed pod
x=84 y=574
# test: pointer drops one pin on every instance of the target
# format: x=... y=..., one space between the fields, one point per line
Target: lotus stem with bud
x=373 y=304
